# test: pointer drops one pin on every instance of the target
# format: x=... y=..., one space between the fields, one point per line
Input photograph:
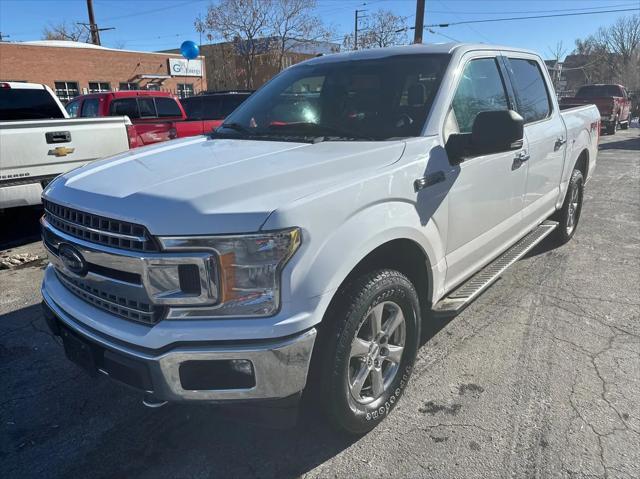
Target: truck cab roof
x=415 y=49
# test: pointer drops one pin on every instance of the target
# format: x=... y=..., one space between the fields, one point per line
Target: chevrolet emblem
x=61 y=151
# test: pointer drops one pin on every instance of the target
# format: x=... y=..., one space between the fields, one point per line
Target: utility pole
x=417 y=34
x=355 y=30
x=93 y=28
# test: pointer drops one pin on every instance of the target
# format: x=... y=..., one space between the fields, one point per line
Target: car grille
x=124 y=307
x=98 y=229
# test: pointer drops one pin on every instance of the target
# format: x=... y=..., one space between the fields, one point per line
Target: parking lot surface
x=540 y=377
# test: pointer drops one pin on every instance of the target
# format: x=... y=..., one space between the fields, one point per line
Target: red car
x=153 y=113
x=612 y=101
x=208 y=110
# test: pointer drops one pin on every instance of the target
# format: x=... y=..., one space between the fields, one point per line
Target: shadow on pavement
x=60 y=422
x=19 y=226
x=622 y=144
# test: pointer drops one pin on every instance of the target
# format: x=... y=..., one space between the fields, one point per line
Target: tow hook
x=152 y=402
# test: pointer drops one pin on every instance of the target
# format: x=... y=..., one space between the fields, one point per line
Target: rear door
x=486 y=196
x=545 y=133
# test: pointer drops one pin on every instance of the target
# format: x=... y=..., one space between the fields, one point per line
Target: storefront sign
x=180 y=67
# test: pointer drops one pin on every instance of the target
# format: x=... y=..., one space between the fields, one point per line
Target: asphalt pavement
x=540 y=377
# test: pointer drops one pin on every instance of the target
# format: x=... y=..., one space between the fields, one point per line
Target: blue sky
x=160 y=24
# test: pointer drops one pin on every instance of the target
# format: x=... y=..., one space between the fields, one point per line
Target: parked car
x=38 y=141
x=612 y=101
x=207 y=111
x=153 y=113
x=301 y=247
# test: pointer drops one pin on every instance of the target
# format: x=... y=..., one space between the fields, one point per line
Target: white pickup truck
x=301 y=245
x=38 y=141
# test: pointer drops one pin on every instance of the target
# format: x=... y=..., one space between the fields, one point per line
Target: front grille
x=122 y=306
x=99 y=229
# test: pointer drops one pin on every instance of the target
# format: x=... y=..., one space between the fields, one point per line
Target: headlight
x=248 y=268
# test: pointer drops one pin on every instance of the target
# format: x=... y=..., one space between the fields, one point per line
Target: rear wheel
x=625 y=125
x=569 y=215
x=370 y=351
x=612 y=127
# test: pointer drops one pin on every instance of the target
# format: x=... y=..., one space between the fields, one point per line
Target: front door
x=486 y=196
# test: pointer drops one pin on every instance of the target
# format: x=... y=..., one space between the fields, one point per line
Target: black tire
x=625 y=125
x=565 y=230
x=349 y=318
x=612 y=127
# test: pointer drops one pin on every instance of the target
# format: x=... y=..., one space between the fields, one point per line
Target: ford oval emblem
x=72 y=259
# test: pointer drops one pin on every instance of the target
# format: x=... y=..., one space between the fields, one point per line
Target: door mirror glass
x=492 y=132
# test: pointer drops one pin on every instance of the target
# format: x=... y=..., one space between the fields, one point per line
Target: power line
x=154 y=10
x=486 y=20
x=628 y=4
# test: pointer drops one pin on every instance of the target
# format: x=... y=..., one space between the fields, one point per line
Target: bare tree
x=292 y=22
x=381 y=29
x=64 y=31
x=612 y=54
x=622 y=38
x=243 y=22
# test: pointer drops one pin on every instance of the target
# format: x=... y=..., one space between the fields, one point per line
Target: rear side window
x=125 y=106
x=27 y=104
x=531 y=90
x=230 y=103
x=480 y=89
x=89 y=108
x=167 y=107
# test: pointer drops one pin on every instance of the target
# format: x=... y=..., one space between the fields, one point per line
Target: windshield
x=594 y=91
x=375 y=99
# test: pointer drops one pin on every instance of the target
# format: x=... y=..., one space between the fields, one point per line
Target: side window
x=167 y=107
x=230 y=103
x=480 y=89
x=125 y=106
x=89 y=108
x=531 y=91
x=72 y=108
x=147 y=107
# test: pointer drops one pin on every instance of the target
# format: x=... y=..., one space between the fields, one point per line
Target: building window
x=131 y=85
x=98 y=86
x=153 y=87
x=185 y=90
x=66 y=90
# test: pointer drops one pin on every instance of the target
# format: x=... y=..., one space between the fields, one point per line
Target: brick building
x=73 y=68
x=226 y=69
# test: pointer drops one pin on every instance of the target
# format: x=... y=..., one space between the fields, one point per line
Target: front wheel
x=625 y=125
x=569 y=215
x=370 y=351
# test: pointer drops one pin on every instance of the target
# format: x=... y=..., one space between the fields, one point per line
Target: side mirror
x=497 y=131
x=492 y=132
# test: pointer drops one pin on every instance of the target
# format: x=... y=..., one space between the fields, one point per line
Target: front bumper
x=279 y=366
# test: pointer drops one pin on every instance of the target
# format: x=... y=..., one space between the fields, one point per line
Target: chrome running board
x=460 y=297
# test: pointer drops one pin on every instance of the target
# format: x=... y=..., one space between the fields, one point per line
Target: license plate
x=78 y=351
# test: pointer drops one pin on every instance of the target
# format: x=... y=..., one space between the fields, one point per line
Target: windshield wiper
x=328 y=132
x=235 y=127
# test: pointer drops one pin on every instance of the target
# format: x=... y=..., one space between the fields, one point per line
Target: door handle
x=558 y=144
x=522 y=156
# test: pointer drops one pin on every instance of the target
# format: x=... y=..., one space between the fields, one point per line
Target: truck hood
x=205 y=186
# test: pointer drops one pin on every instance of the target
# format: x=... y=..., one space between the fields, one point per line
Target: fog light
x=219 y=374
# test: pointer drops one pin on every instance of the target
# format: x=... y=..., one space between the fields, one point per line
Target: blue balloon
x=189 y=50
